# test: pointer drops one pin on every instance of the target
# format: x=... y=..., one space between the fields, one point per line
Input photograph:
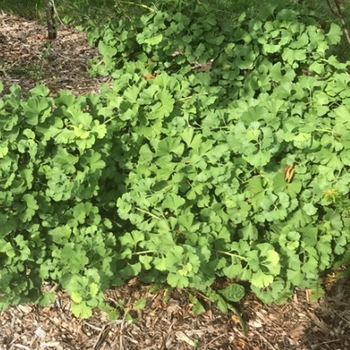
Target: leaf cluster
x=176 y=173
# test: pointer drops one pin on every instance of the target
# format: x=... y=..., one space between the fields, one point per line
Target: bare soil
x=166 y=322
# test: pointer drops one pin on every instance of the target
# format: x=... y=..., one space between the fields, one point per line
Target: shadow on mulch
x=301 y=324
x=167 y=323
x=329 y=327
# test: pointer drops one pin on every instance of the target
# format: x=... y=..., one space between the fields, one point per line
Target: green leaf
x=132 y=93
x=76 y=297
x=32 y=207
x=113 y=315
x=250 y=232
x=279 y=291
x=170 y=145
x=79 y=118
x=317 y=292
x=146 y=260
x=39 y=90
x=80 y=132
x=140 y=304
x=222 y=304
x=66 y=160
x=155 y=40
x=3 y=151
x=106 y=50
x=261 y=280
x=7 y=248
x=47 y=298
x=60 y=234
x=233 y=270
x=173 y=203
x=176 y=280
x=233 y=292
x=334 y=35
x=187 y=135
x=197 y=308
x=94 y=289
x=294 y=187
x=81 y=310
x=33 y=107
x=99 y=129
x=94 y=161
x=165 y=107
x=309 y=209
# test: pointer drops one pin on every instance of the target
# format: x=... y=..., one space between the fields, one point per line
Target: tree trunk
x=50 y=19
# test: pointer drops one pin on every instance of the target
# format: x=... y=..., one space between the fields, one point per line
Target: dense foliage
x=222 y=149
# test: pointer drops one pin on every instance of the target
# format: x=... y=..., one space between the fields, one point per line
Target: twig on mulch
x=265 y=340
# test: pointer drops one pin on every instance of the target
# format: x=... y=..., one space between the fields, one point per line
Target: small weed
x=30 y=71
x=45 y=52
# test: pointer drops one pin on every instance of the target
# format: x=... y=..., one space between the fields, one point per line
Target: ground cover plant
x=220 y=150
x=74 y=11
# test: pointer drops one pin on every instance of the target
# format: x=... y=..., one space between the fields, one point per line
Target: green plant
x=52 y=161
x=33 y=9
x=208 y=194
x=220 y=150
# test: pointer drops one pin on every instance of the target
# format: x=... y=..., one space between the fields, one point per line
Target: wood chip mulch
x=166 y=322
x=28 y=58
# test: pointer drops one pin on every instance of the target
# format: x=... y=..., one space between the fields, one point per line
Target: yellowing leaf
x=76 y=297
x=80 y=132
x=94 y=288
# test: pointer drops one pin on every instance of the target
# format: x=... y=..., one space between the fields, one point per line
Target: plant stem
x=148 y=213
x=232 y=255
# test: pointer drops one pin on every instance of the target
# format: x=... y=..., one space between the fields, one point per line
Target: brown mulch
x=166 y=322
x=28 y=58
